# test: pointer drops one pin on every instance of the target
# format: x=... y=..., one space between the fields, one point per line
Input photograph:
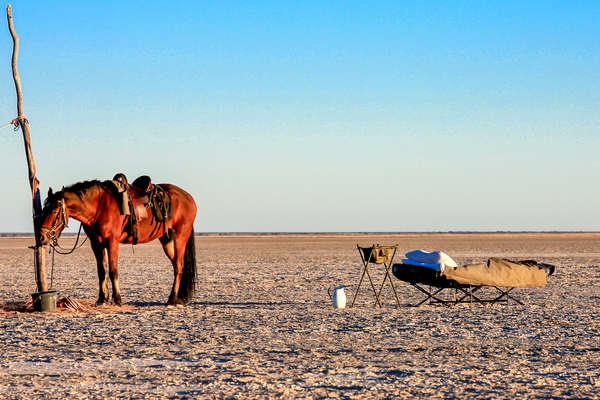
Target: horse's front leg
x=113 y=262
x=101 y=255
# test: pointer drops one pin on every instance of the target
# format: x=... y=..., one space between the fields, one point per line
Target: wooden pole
x=40 y=253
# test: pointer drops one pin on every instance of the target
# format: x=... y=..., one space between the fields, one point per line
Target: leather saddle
x=136 y=198
x=142 y=185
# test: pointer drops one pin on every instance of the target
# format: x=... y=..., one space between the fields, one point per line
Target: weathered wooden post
x=40 y=253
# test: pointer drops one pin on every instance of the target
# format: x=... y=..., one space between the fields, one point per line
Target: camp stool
x=376 y=254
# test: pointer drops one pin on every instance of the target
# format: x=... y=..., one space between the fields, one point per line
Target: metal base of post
x=44 y=301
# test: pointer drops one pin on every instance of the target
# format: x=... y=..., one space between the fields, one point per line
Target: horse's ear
x=50 y=192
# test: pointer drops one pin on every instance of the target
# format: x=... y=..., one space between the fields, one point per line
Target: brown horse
x=94 y=204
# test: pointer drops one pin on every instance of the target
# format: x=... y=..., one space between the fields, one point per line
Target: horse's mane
x=82 y=189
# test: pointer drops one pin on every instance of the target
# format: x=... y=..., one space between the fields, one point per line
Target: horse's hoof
x=175 y=303
x=100 y=303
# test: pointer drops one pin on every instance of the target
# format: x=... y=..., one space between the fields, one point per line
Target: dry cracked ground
x=262 y=326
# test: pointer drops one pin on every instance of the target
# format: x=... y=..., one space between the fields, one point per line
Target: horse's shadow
x=146 y=303
x=245 y=304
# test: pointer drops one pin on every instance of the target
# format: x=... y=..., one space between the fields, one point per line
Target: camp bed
x=502 y=275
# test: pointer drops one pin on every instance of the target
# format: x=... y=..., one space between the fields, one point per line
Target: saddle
x=142 y=184
x=136 y=198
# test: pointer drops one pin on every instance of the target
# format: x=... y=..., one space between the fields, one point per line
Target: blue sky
x=317 y=116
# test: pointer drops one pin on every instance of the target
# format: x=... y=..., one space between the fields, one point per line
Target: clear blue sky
x=316 y=116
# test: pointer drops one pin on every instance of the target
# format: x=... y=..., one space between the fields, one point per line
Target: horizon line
x=272 y=233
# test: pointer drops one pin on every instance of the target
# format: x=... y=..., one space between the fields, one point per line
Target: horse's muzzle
x=43 y=239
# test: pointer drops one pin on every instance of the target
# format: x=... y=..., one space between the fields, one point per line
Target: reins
x=56 y=246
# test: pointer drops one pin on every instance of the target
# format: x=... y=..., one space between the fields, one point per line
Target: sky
x=340 y=116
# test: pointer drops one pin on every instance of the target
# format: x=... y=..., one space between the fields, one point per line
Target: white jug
x=339 y=297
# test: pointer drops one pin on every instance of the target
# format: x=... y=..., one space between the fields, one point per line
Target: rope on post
x=15 y=122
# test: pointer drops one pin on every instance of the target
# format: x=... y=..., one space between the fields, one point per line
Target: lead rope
x=53 y=251
x=52 y=270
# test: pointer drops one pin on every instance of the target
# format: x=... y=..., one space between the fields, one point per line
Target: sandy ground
x=262 y=326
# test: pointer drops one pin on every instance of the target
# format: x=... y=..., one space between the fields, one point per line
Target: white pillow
x=433 y=257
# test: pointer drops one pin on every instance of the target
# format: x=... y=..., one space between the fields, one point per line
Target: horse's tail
x=188 y=275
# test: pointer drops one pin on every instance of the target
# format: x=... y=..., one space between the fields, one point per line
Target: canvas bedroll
x=498 y=272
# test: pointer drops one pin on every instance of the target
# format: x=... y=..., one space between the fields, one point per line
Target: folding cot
x=468 y=280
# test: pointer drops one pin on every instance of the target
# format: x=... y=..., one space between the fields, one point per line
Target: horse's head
x=54 y=218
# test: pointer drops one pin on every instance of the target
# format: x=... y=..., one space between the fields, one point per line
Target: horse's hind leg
x=174 y=250
x=101 y=255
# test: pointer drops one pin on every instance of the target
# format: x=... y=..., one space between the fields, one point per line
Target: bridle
x=58 y=225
